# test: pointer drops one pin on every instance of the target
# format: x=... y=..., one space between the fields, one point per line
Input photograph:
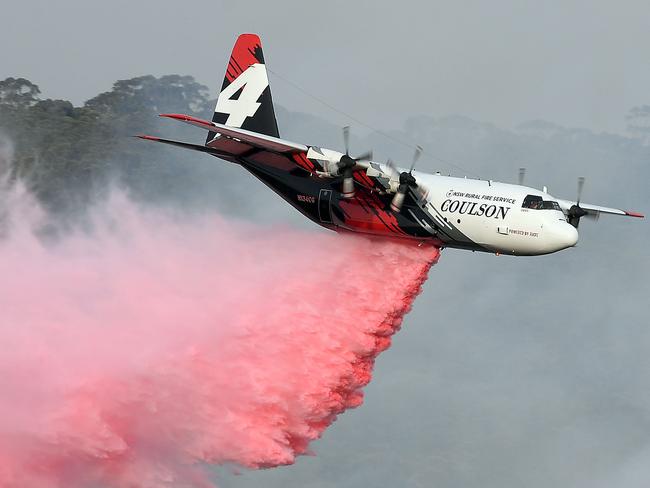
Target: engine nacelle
x=328 y=159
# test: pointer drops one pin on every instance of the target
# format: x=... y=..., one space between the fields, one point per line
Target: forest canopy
x=69 y=154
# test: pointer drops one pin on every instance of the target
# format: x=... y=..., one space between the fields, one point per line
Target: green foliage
x=148 y=94
x=18 y=93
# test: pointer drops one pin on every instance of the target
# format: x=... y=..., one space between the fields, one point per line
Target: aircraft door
x=325 y=206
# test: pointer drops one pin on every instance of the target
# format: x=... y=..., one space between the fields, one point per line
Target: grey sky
x=578 y=63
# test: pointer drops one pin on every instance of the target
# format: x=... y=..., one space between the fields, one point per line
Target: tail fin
x=245 y=99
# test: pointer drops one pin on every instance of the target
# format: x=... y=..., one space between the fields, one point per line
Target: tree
x=68 y=154
x=18 y=93
x=148 y=94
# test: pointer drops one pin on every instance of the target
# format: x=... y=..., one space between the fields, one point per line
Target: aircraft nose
x=568 y=235
x=561 y=235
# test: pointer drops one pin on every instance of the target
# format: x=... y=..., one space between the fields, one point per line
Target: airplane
x=356 y=194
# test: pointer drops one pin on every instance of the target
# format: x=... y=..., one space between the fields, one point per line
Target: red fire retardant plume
x=136 y=353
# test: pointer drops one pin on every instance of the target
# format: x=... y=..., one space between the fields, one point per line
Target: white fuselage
x=344 y=193
x=490 y=214
x=478 y=214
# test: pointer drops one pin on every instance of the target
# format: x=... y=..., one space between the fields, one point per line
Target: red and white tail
x=245 y=99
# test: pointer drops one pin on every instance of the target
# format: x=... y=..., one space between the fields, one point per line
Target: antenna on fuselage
x=522 y=175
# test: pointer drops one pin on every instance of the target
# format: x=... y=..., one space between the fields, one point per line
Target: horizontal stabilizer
x=186 y=145
x=256 y=139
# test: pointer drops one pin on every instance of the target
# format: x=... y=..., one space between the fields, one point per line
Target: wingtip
x=175 y=116
x=635 y=214
x=146 y=137
x=186 y=118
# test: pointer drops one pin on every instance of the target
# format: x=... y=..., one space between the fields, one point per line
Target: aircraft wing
x=254 y=139
x=596 y=210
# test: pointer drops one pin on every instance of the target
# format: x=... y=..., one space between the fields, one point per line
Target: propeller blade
x=522 y=175
x=416 y=156
x=406 y=180
x=581 y=184
x=346 y=139
x=367 y=156
x=393 y=169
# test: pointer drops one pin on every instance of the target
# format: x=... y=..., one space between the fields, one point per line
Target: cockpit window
x=535 y=202
x=532 y=201
x=550 y=205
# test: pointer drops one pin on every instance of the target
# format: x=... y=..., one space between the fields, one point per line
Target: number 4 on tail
x=240 y=99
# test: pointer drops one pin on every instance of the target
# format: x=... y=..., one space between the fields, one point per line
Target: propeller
x=346 y=165
x=581 y=186
x=576 y=212
x=406 y=181
x=522 y=175
x=416 y=156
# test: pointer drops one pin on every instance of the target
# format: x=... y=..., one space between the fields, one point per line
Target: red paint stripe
x=368 y=179
x=389 y=220
x=303 y=162
x=243 y=52
x=306 y=161
x=235 y=65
